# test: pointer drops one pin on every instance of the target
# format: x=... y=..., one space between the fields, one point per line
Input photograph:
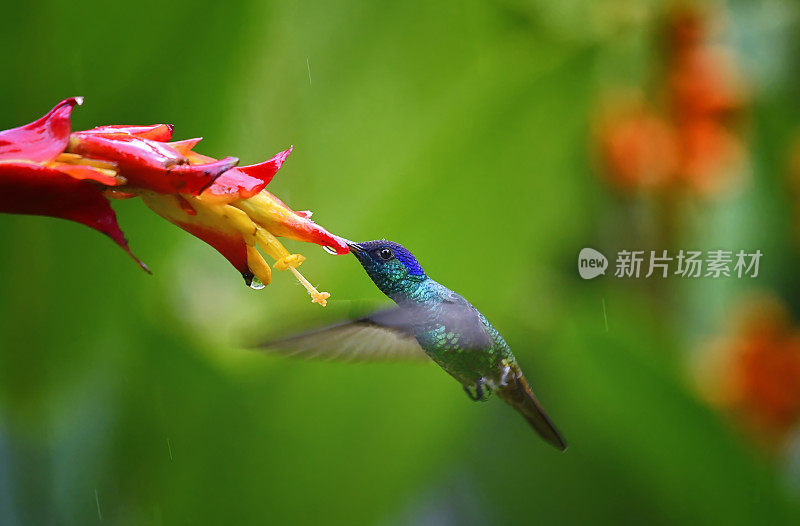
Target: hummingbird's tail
x=517 y=393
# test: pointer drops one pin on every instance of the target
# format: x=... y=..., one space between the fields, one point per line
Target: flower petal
x=185 y=146
x=230 y=245
x=43 y=139
x=271 y=213
x=266 y=171
x=234 y=234
x=209 y=224
x=195 y=178
x=126 y=150
x=154 y=132
x=30 y=188
x=244 y=181
x=150 y=164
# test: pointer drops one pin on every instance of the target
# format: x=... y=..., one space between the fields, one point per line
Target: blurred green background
x=462 y=129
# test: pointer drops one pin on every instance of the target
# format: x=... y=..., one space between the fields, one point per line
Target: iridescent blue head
x=393 y=268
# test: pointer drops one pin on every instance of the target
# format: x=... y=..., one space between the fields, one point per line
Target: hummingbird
x=429 y=321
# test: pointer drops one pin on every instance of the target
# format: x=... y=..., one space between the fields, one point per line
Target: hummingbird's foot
x=479 y=395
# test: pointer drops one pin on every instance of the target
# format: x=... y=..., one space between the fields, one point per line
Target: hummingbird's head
x=393 y=268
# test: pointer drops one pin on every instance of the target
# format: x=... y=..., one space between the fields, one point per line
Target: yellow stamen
x=258 y=266
x=316 y=296
x=236 y=219
x=68 y=168
x=230 y=220
x=291 y=261
x=284 y=260
x=270 y=244
x=74 y=158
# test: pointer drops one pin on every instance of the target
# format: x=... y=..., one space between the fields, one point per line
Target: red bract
x=46 y=169
x=43 y=139
x=33 y=182
x=240 y=182
x=149 y=164
x=38 y=190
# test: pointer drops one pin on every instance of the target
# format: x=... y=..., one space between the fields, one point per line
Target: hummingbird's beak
x=354 y=247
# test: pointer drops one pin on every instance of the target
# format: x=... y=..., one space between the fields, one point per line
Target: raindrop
x=256 y=284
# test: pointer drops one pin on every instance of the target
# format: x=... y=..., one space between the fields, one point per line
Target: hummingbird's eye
x=386 y=254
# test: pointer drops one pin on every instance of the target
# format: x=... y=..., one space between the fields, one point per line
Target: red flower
x=690 y=142
x=638 y=148
x=45 y=169
x=753 y=373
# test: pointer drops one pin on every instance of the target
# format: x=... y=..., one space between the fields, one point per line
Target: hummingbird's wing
x=381 y=336
x=458 y=316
